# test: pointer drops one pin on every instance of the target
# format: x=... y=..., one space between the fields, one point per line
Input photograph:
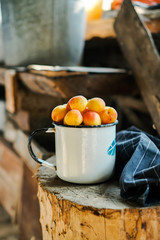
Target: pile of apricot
x=80 y=111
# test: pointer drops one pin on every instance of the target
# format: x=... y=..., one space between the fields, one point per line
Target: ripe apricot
x=68 y=107
x=96 y=104
x=78 y=102
x=73 y=118
x=108 y=115
x=91 y=118
x=58 y=113
x=85 y=110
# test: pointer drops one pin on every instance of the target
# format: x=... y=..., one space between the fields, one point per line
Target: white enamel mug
x=84 y=154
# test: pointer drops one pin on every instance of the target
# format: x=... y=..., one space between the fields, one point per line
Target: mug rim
x=83 y=126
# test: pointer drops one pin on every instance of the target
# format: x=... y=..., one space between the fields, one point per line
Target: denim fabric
x=138 y=166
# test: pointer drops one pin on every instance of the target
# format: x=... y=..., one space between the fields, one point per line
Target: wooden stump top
x=93 y=212
x=102 y=196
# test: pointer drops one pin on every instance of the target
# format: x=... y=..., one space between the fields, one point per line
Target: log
x=36 y=103
x=134 y=118
x=10 y=131
x=10 y=90
x=88 y=85
x=18 y=186
x=93 y=212
x=2 y=76
x=22 y=119
x=8 y=230
x=20 y=146
x=40 y=84
x=19 y=140
x=133 y=111
x=140 y=56
x=4 y=217
x=29 y=225
x=131 y=102
x=33 y=110
x=2 y=114
x=11 y=172
x=66 y=83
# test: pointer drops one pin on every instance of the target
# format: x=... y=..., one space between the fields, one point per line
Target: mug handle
x=41 y=161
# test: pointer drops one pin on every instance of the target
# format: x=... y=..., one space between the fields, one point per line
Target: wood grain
x=11 y=90
x=131 y=102
x=33 y=110
x=102 y=28
x=19 y=140
x=143 y=58
x=85 y=84
x=93 y=212
x=2 y=76
x=29 y=220
x=11 y=171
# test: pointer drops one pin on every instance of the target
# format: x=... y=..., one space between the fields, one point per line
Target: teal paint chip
x=112 y=149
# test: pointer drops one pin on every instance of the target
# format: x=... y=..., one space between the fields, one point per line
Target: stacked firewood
x=22 y=111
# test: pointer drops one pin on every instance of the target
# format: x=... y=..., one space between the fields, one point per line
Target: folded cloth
x=138 y=166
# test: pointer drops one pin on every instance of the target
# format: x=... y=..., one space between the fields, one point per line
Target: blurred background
x=44 y=46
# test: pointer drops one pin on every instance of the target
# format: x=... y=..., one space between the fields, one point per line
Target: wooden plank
x=14 y=178
x=143 y=58
x=29 y=220
x=153 y=25
x=9 y=231
x=20 y=146
x=33 y=109
x=4 y=217
x=41 y=84
x=36 y=103
x=19 y=139
x=10 y=131
x=88 y=85
x=2 y=76
x=11 y=171
x=131 y=102
x=134 y=118
x=102 y=28
x=22 y=119
x=10 y=90
x=2 y=114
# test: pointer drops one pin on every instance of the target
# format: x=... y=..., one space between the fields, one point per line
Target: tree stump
x=91 y=212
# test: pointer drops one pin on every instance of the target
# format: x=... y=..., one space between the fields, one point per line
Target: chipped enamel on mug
x=84 y=154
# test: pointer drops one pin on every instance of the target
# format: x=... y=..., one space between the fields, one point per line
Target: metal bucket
x=43 y=32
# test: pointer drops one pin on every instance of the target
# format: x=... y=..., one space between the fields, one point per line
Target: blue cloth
x=138 y=166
